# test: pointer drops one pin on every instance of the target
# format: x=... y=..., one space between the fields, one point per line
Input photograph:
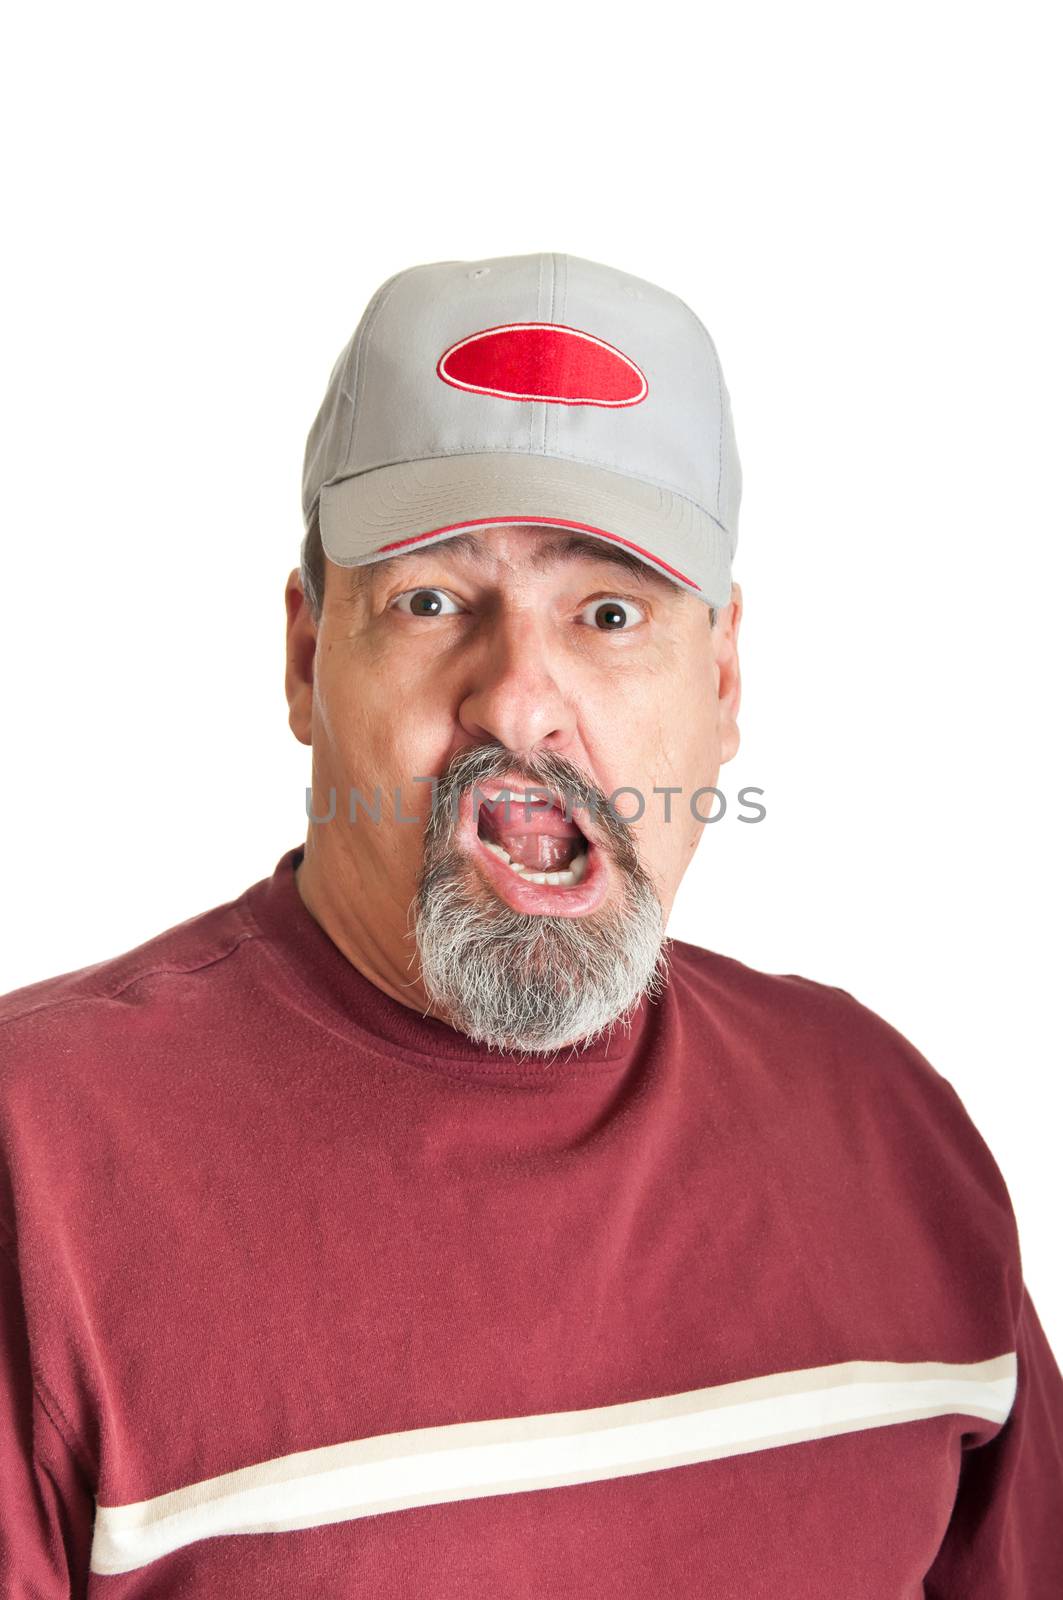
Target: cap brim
x=393 y=510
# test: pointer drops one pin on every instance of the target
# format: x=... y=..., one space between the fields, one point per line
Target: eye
x=426 y=603
x=612 y=616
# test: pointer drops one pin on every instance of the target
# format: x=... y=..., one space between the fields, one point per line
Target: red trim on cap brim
x=553 y=522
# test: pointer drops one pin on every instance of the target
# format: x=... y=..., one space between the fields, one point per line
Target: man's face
x=511 y=658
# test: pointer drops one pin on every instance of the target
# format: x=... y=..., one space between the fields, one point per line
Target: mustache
x=546 y=769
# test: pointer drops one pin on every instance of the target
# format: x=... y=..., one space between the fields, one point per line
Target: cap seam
x=718 y=366
x=536 y=406
x=361 y=353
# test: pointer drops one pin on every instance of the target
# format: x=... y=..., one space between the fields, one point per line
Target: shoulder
x=841 y=1077
x=747 y=992
x=51 y=1015
x=796 y=1014
x=793 y=1013
x=89 y=1058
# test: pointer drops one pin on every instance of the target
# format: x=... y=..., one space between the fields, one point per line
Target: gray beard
x=519 y=982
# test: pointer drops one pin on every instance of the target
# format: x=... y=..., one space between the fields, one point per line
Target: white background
x=864 y=209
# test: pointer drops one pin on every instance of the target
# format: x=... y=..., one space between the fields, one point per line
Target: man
x=423 y=1222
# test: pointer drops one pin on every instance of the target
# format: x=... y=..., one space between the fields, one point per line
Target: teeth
x=535 y=801
x=564 y=879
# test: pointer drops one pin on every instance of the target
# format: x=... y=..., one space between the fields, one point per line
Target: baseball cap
x=540 y=389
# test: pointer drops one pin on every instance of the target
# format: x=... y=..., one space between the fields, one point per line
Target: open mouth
x=535 y=843
x=537 y=858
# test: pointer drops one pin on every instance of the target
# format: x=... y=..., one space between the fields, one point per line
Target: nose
x=516 y=692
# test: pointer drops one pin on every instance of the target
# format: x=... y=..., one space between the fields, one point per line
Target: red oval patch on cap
x=543 y=361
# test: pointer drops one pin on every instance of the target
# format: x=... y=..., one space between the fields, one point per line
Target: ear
x=728 y=673
x=299 y=668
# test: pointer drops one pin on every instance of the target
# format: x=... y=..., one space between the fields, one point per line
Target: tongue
x=541 y=851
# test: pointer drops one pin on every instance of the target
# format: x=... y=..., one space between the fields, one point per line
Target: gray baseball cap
x=528 y=389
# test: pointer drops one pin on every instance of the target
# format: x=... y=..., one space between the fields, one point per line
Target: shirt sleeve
x=1005 y=1536
x=47 y=1506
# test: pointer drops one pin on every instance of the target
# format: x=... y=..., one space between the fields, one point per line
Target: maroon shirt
x=307 y=1295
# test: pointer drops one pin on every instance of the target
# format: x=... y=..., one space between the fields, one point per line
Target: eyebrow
x=579 y=547
x=571 y=547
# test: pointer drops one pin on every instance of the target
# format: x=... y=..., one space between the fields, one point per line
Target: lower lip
x=536 y=899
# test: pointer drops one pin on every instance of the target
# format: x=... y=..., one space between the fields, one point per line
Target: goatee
x=532 y=983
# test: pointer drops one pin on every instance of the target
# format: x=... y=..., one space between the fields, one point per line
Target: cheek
x=352 y=726
x=368 y=737
x=675 y=748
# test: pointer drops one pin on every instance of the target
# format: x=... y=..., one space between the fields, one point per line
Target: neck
x=339 y=916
